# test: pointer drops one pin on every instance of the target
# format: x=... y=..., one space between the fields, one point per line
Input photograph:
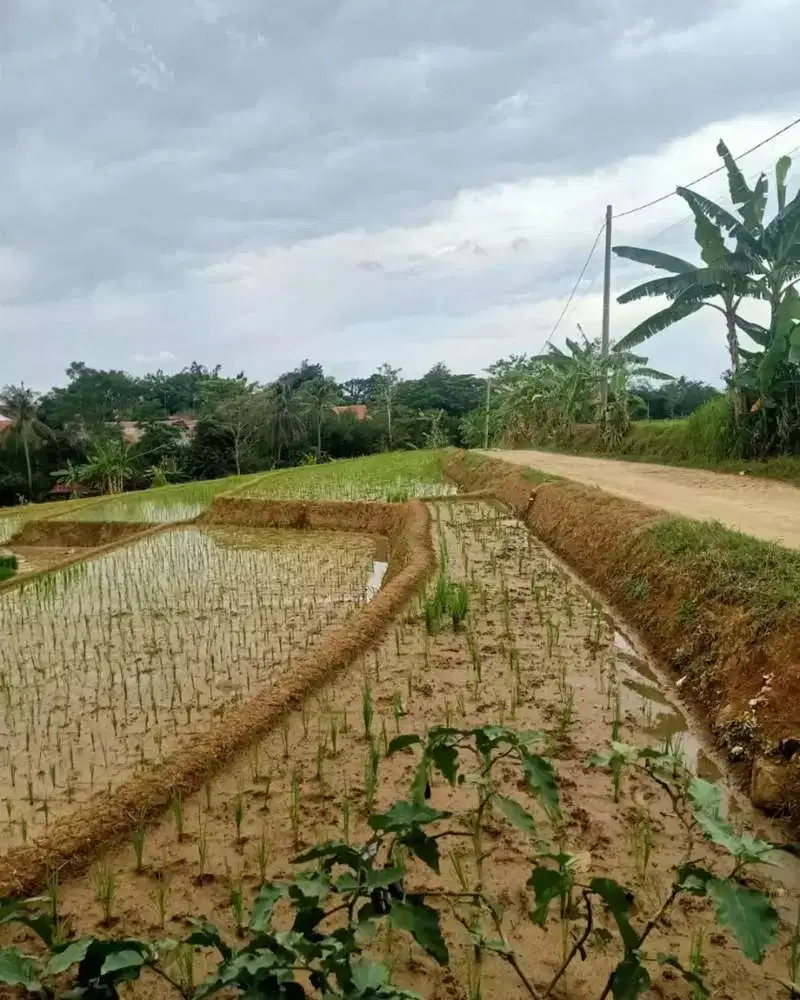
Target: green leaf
x=616 y=899
x=369 y=975
x=308 y=888
x=125 y=960
x=403 y=815
x=754 y=331
x=659 y=321
x=781 y=172
x=547 y=885
x=723 y=218
x=693 y=879
x=709 y=238
x=749 y=914
x=206 y=935
x=17 y=969
x=402 y=743
x=630 y=979
x=68 y=955
x=373 y=879
x=445 y=760
x=663 y=261
x=740 y=192
x=540 y=778
x=12 y=912
x=424 y=847
x=422 y=923
x=266 y=900
x=514 y=813
x=707 y=807
x=332 y=852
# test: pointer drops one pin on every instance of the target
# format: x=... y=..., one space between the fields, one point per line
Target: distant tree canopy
x=108 y=430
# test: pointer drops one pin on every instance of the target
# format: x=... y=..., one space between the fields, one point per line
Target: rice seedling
x=367 y=709
x=105 y=887
x=202 y=849
x=238 y=815
x=137 y=842
x=371 y=766
x=294 y=809
x=176 y=807
x=263 y=856
x=236 y=903
x=161 y=896
x=192 y=653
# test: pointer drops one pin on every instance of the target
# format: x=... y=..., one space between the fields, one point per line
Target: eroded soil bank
x=721 y=609
x=535 y=654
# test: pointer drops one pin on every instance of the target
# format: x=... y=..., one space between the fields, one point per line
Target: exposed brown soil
x=75 y=534
x=759 y=507
x=74 y=840
x=551 y=661
x=722 y=649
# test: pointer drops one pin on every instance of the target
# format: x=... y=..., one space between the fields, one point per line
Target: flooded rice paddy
x=104 y=665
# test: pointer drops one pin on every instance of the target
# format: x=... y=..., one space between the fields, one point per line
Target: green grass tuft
x=736 y=567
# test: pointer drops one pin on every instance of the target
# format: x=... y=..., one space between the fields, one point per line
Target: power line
x=711 y=173
x=689 y=217
x=586 y=263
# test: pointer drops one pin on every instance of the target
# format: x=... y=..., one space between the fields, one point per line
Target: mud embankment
x=75 y=534
x=739 y=661
x=73 y=842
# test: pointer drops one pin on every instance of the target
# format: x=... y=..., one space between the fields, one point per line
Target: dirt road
x=760 y=507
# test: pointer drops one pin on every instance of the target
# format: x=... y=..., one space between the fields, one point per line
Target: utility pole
x=606 y=311
x=488 y=403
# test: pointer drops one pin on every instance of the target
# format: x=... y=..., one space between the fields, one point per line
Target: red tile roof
x=359 y=411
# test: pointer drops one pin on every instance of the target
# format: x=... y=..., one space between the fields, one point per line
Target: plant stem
x=577 y=946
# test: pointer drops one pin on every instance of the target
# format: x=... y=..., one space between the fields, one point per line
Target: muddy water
x=604 y=666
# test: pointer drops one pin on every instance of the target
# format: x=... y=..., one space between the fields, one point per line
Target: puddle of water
x=376 y=578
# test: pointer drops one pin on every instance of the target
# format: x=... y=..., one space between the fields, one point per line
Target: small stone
x=736 y=752
x=767 y=782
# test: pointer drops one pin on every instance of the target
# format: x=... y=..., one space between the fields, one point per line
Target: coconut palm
x=319 y=395
x=20 y=405
x=284 y=414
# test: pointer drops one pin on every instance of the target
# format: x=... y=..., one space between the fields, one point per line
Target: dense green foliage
x=745 y=259
x=199 y=424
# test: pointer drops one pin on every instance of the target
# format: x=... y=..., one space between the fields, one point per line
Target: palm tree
x=20 y=405
x=319 y=395
x=110 y=464
x=284 y=413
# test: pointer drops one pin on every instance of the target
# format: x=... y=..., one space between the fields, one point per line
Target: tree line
x=201 y=424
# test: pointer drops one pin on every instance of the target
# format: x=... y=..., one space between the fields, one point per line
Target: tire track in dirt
x=759 y=507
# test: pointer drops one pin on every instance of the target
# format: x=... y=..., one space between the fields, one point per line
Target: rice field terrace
x=107 y=663
x=501 y=796
x=397 y=476
x=163 y=505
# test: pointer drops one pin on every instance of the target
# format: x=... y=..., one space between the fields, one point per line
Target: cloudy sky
x=356 y=181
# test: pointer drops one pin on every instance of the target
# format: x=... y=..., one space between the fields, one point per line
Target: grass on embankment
x=720 y=608
x=671 y=442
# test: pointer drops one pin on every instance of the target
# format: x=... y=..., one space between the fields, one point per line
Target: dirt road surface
x=760 y=507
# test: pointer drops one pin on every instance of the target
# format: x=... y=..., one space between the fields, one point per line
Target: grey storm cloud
x=164 y=162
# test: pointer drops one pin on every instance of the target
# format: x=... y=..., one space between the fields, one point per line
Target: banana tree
x=763 y=263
